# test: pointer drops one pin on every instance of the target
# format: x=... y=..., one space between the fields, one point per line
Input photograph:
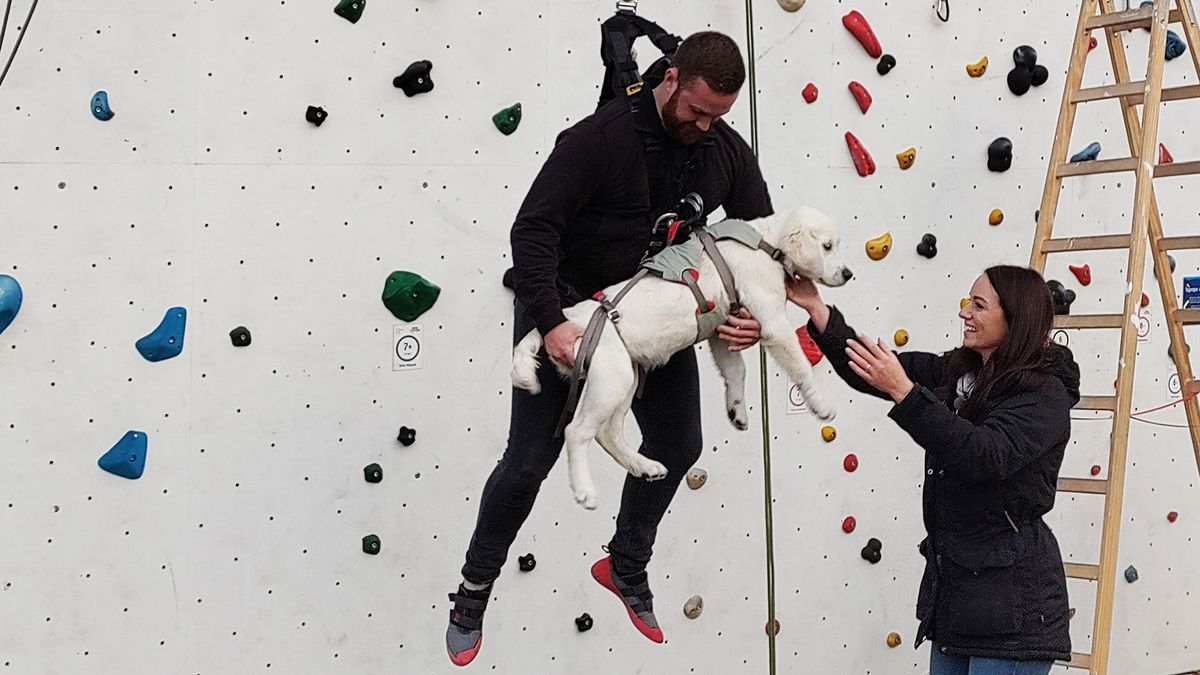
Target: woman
x=993 y=417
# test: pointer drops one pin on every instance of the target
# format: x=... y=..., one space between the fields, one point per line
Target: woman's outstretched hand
x=872 y=361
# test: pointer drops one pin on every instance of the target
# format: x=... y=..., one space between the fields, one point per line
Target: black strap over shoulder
x=617 y=35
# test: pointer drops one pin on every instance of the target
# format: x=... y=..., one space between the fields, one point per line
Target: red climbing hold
x=1095 y=469
x=850 y=463
x=1145 y=300
x=861 y=95
x=1083 y=274
x=1172 y=516
x=849 y=524
x=1092 y=44
x=862 y=158
x=810 y=92
x=1164 y=155
x=857 y=25
x=811 y=350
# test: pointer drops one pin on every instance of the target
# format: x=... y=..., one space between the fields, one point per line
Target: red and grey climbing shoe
x=464 y=635
x=639 y=601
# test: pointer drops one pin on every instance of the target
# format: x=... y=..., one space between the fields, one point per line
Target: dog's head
x=811 y=241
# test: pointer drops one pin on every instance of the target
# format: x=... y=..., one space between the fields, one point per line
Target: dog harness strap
x=776 y=254
x=710 y=247
x=694 y=287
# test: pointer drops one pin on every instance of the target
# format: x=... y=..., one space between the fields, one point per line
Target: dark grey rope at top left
x=20 y=36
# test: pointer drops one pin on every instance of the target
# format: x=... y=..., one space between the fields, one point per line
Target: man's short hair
x=713 y=57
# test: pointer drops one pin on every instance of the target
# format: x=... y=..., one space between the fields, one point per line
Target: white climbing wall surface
x=239 y=549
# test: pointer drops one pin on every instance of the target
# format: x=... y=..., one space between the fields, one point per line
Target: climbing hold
x=1092 y=43
x=407 y=436
x=828 y=433
x=583 y=622
x=1039 y=75
x=1171 y=351
x=879 y=247
x=127 y=458
x=893 y=639
x=315 y=115
x=373 y=473
x=857 y=25
x=415 y=79
x=693 y=607
x=1000 y=155
x=1025 y=56
x=995 y=217
x=1019 y=80
x=810 y=92
x=408 y=295
x=1083 y=274
x=873 y=551
x=1096 y=469
x=1062 y=296
x=1092 y=151
x=1071 y=613
x=900 y=337
x=10 y=300
x=861 y=95
x=1131 y=574
x=1172 y=516
x=696 y=478
x=1175 y=45
x=527 y=562
x=978 y=68
x=964 y=302
x=1171 y=262
x=791 y=5
x=862 y=159
x=767 y=627
x=1164 y=155
x=850 y=463
x=100 y=109
x=885 y=64
x=1145 y=300
x=848 y=524
x=371 y=544
x=350 y=10
x=167 y=340
x=508 y=119
x=906 y=158
x=927 y=246
x=240 y=336
x=811 y=350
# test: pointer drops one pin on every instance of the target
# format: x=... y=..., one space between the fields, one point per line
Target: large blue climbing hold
x=167 y=340
x=100 y=109
x=1175 y=45
x=128 y=457
x=10 y=300
x=1092 y=151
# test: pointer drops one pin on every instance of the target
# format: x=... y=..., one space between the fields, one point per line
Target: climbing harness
x=17 y=44
x=617 y=34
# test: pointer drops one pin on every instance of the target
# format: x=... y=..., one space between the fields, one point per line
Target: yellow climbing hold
x=879 y=247
x=693 y=607
x=964 y=302
x=906 y=158
x=995 y=217
x=978 y=68
x=696 y=478
x=828 y=433
x=901 y=337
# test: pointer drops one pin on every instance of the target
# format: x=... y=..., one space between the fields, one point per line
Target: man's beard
x=684 y=132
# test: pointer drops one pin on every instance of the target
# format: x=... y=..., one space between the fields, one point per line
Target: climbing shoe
x=464 y=635
x=639 y=601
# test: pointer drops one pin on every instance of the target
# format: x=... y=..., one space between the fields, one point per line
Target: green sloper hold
x=508 y=120
x=350 y=10
x=408 y=295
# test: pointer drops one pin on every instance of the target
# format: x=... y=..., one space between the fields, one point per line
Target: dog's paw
x=737 y=416
x=649 y=469
x=585 y=497
x=822 y=410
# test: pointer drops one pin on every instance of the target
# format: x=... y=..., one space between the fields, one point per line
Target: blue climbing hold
x=1175 y=45
x=1092 y=151
x=128 y=457
x=10 y=300
x=100 y=109
x=167 y=340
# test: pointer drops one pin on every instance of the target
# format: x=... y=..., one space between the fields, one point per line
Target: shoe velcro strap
x=464 y=602
x=465 y=621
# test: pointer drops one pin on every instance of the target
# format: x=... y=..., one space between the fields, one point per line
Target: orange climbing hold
x=893 y=639
x=995 y=217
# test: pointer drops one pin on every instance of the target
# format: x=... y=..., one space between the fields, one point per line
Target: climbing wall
x=240 y=547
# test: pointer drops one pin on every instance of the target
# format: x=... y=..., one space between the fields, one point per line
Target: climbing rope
x=21 y=36
x=1136 y=416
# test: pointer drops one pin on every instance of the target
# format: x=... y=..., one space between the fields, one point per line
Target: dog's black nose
x=847 y=274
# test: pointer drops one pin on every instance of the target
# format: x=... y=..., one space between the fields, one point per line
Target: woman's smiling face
x=984 y=326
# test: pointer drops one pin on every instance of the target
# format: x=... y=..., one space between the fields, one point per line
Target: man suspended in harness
x=586 y=223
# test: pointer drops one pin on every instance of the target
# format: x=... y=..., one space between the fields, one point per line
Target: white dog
x=658 y=319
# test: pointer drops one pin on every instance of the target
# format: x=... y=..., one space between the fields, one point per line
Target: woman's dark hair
x=713 y=57
x=1017 y=362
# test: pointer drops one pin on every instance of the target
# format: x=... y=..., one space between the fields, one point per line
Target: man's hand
x=560 y=342
x=741 y=331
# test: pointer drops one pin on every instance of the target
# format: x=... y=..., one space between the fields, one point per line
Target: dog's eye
x=828 y=246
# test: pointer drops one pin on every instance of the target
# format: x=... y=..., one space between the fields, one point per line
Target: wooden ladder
x=1143 y=138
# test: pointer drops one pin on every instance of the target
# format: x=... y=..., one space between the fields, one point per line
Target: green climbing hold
x=371 y=544
x=408 y=295
x=508 y=120
x=240 y=336
x=373 y=473
x=350 y=10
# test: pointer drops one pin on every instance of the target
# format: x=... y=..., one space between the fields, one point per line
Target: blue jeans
x=944 y=664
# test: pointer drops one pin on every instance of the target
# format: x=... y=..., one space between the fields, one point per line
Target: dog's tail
x=525 y=362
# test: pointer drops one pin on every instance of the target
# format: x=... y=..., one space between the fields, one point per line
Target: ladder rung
x=1081 y=571
x=1176 y=169
x=1098 y=166
x=1188 y=317
x=1129 y=19
x=1095 y=243
x=1134 y=92
x=1079 y=660
x=1089 y=321
x=1087 y=486
x=1178 y=243
x=1097 y=403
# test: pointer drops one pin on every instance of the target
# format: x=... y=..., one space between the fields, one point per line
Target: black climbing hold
x=315 y=115
x=928 y=246
x=1025 y=56
x=1000 y=154
x=1171 y=351
x=885 y=64
x=508 y=119
x=1037 y=215
x=584 y=622
x=371 y=544
x=373 y=473
x=1019 y=80
x=1175 y=46
x=1131 y=574
x=1061 y=295
x=1171 y=262
x=350 y=10
x=415 y=79
x=1039 y=76
x=527 y=562
x=127 y=458
x=408 y=295
x=407 y=436
x=507 y=279
x=873 y=551
x=240 y=336
x=100 y=109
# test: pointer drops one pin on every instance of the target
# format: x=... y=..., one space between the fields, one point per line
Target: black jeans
x=669 y=416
